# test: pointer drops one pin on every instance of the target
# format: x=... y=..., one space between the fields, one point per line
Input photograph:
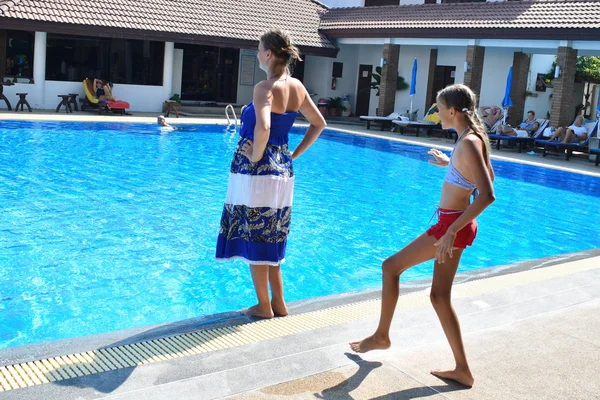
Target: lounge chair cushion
x=118 y=104
x=390 y=117
x=432 y=114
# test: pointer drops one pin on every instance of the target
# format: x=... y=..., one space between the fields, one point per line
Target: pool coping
x=150 y=118
x=427 y=142
x=43 y=350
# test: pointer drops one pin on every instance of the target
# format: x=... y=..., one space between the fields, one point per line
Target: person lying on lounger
x=102 y=91
x=490 y=115
x=525 y=128
x=103 y=94
x=575 y=133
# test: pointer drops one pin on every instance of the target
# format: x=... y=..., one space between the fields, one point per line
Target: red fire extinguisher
x=332 y=83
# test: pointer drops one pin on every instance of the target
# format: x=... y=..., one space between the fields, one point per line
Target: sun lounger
x=569 y=148
x=103 y=105
x=494 y=127
x=417 y=125
x=383 y=120
x=521 y=142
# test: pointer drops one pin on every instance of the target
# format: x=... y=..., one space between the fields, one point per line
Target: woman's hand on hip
x=247 y=149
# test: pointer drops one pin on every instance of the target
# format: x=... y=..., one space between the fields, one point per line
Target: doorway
x=363 y=90
x=228 y=75
x=442 y=76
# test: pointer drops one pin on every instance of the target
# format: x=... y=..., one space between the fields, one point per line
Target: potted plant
x=335 y=106
x=176 y=98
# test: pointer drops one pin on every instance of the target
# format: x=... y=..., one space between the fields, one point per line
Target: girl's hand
x=247 y=149
x=440 y=159
x=444 y=246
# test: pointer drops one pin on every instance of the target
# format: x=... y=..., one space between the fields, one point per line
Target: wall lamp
x=382 y=62
x=557 y=72
x=467 y=66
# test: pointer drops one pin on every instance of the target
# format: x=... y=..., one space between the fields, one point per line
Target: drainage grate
x=131 y=355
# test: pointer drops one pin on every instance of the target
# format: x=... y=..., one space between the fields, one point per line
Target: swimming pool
x=109 y=226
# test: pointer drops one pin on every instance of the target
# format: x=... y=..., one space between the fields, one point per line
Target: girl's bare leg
x=277 y=302
x=441 y=289
x=418 y=251
x=260 y=278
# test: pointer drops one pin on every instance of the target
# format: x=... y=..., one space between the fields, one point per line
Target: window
x=18 y=46
x=74 y=58
x=373 y=3
x=338 y=68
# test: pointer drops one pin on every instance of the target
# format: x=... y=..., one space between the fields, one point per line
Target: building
x=471 y=42
x=203 y=50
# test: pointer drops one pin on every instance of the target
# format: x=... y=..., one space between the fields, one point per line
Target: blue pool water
x=109 y=226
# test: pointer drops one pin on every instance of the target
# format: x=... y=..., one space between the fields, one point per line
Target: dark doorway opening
x=209 y=73
x=442 y=77
x=363 y=90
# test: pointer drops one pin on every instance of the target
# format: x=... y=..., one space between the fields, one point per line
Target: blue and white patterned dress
x=258 y=207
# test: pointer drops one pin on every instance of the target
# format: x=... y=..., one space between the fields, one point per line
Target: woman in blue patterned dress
x=256 y=217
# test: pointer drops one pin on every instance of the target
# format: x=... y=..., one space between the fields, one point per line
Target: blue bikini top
x=454 y=177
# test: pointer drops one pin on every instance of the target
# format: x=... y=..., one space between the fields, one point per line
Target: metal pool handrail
x=227 y=108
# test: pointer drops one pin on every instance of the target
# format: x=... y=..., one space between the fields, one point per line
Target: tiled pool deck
x=530 y=331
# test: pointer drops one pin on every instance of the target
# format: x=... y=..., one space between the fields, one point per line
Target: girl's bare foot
x=371 y=343
x=461 y=376
x=257 y=311
x=279 y=308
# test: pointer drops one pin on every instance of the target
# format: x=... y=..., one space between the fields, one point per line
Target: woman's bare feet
x=260 y=312
x=461 y=376
x=371 y=343
x=279 y=307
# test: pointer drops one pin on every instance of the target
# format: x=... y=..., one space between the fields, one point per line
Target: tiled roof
x=231 y=19
x=510 y=14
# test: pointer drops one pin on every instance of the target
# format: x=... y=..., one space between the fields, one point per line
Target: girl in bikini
x=469 y=174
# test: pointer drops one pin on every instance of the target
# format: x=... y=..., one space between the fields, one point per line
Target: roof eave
x=138 y=34
x=319 y=51
x=468 y=33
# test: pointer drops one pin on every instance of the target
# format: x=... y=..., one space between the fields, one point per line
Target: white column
x=39 y=70
x=177 y=71
x=168 y=70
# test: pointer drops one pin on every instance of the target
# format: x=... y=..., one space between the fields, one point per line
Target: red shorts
x=464 y=237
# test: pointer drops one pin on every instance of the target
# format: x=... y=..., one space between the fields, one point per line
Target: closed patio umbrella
x=413 y=84
x=506 y=101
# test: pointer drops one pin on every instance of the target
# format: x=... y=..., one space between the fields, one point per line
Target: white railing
x=231 y=125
